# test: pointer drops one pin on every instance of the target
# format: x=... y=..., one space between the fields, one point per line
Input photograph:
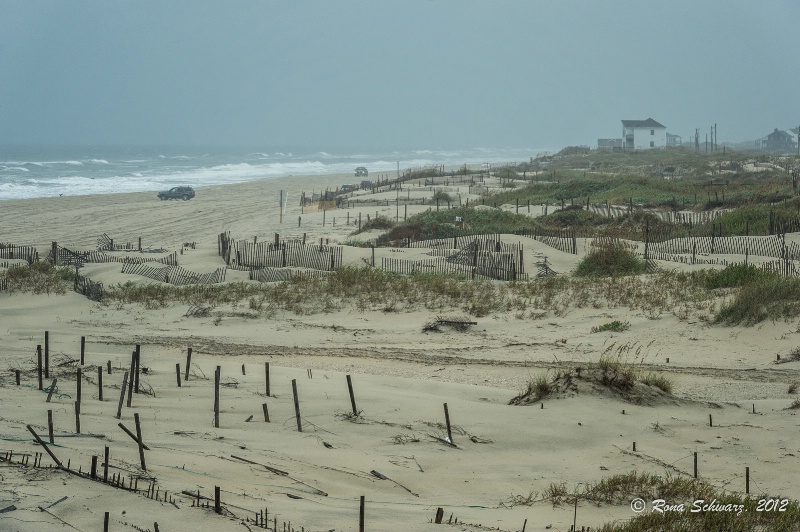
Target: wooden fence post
x=39 y=365
x=50 y=426
x=83 y=348
x=100 y=383
x=178 y=373
x=47 y=354
x=361 y=515
x=52 y=389
x=122 y=395
x=105 y=465
x=266 y=369
x=188 y=363
x=216 y=397
x=296 y=406
x=129 y=374
x=139 y=437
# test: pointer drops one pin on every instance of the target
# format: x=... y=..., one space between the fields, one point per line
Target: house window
x=652 y=144
x=652 y=131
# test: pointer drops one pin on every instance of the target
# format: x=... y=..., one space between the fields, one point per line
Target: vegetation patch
x=771 y=297
x=736 y=275
x=40 y=278
x=613 y=326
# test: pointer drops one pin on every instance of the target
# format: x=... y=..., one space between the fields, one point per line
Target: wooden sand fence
x=247 y=254
x=12 y=251
x=471 y=256
x=64 y=256
x=85 y=286
x=174 y=275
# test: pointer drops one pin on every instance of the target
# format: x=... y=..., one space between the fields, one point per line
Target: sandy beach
x=729 y=403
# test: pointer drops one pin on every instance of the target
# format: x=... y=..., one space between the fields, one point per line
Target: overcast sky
x=400 y=74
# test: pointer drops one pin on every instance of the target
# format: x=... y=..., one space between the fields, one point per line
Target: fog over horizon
x=416 y=74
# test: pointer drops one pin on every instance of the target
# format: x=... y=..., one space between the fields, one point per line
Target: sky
x=376 y=74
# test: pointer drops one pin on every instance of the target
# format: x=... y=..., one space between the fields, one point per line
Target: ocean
x=29 y=172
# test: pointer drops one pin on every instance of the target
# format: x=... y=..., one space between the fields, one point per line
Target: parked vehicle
x=366 y=184
x=184 y=193
x=347 y=188
x=361 y=171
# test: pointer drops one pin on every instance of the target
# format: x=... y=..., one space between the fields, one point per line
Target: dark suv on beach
x=184 y=193
x=361 y=171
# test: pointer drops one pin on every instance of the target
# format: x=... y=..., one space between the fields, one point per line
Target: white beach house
x=643 y=134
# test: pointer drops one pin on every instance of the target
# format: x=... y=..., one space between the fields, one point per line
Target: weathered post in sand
x=352 y=397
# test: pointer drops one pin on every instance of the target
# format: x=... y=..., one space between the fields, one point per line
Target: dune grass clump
x=612 y=326
x=661 y=382
x=611 y=259
x=771 y=297
x=538 y=388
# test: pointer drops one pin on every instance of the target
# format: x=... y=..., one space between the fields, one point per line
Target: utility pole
x=716 y=138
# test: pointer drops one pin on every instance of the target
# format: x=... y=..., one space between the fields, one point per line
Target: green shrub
x=378 y=222
x=610 y=259
x=40 y=278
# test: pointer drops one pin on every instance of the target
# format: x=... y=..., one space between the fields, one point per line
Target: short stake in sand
x=266 y=370
x=447 y=422
x=188 y=363
x=178 y=373
x=99 y=383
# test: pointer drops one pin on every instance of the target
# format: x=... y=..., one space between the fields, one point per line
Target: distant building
x=609 y=144
x=779 y=141
x=643 y=134
x=673 y=141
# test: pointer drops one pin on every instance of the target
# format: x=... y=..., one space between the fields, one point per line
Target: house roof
x=642 y=123
x=671 y=136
